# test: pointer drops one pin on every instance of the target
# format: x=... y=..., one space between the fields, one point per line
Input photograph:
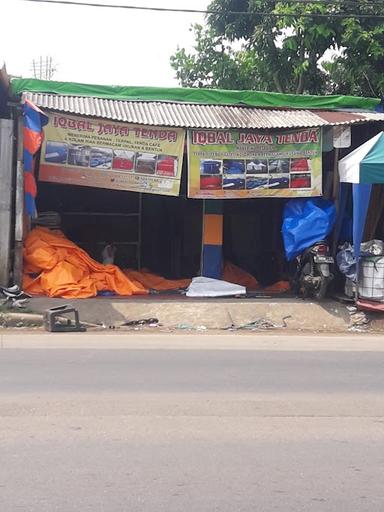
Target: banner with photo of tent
x=101 y=153
x=235 y=164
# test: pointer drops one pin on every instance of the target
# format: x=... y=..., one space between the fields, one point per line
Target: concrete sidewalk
x=180 y=312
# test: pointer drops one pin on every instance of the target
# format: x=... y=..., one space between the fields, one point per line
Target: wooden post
x=6 y=153
x=19 y=208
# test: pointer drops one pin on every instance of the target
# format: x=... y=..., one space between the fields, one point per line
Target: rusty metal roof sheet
x=195 y=115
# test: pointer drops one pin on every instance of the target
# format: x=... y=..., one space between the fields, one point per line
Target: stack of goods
x=55 y=266
x=51 y=220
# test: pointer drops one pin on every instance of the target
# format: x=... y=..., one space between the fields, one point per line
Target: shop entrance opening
x=159 y=233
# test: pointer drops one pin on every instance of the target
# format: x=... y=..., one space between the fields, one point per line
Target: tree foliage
x=292 y=53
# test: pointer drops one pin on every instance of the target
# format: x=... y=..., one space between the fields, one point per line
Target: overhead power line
x=242 y=13
x=357 y=3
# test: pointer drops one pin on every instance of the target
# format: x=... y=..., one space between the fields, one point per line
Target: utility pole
x=43 y=68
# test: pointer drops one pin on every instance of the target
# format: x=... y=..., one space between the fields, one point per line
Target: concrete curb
x=212 y=314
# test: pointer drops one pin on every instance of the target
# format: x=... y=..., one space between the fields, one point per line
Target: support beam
x=6 y=153
x=212 y=246
x=19 y=208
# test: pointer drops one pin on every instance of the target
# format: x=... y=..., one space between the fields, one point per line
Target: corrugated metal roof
x=337 y=117
x=194 y=115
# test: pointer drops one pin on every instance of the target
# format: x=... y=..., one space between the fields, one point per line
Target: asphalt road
x=191 y=423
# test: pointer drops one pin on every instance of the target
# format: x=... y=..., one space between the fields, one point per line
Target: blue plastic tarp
x=305 y=222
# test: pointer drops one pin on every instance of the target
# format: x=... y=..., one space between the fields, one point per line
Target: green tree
x=359 y=69
x=306 y=49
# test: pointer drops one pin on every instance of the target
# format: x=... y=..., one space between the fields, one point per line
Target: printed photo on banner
x=235 y=164
x=100 y=153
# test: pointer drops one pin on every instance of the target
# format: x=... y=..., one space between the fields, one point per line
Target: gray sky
x=94 y=45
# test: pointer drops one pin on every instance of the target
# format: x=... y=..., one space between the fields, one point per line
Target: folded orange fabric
x=56 y=267
x=231 y=273
x=279 y=287
x=154 y=281
x=236 y=275
x=67 y=271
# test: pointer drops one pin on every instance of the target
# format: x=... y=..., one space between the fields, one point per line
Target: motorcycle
x=313 y=271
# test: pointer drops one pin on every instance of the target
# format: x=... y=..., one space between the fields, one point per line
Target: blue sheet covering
x=305 y=222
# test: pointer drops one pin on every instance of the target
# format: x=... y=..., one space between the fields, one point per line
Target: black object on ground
x=144 y=321
x=53 y=319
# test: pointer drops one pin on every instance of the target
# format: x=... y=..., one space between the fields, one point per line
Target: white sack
x=207 y=287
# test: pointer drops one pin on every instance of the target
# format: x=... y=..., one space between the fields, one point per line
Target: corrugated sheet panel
x=334 y=117
x=193 y=115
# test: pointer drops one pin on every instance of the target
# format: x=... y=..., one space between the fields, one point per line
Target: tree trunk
x=300 y=84
x=276 y=80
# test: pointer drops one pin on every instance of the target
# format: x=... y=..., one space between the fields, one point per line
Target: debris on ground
x=184 y=327
x=20 y=320
x=14 y=297
x=358 y=320
x=150 y=322
x=190 y=327
x=259 y=324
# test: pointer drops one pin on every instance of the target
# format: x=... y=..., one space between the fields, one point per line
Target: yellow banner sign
x=106 y=154
x=235 y=164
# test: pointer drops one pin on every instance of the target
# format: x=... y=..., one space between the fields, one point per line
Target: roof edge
x=193 y=95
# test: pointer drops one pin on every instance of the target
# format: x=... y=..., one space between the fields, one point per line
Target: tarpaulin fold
x=305 y=222
x=194 y=95
x=33 y=121
x=155 y=282
x=56 y=267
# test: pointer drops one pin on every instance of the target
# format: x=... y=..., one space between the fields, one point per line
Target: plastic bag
x=346 y=261
x=372 y=248
x=305 y=222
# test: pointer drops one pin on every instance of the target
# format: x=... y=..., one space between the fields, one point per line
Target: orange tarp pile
x=279 y=287
x=155 y=282
x=231 y=273
x=56 y=267
x=65 y=270
x=237 y=275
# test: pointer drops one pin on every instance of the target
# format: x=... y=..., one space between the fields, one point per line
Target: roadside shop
x=171 y=184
